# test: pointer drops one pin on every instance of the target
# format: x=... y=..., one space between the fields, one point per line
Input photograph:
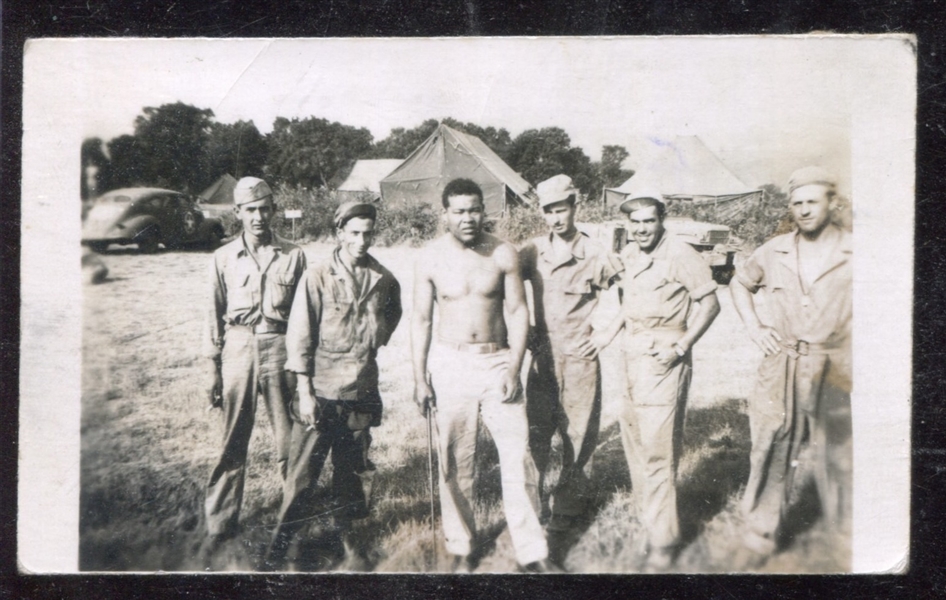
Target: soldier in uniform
x=803 y=393
x=567 y=271
x=345 y=309
x=253 y=281
x=474 y=365
x=669 y=301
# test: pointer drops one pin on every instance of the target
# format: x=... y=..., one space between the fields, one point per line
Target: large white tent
x=685 y=170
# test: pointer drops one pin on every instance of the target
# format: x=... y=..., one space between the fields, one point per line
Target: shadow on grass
x=715 y=464
x=157 y=535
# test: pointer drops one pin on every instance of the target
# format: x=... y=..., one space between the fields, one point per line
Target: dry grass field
x=148 y=442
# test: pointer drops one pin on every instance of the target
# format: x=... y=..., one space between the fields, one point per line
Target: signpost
x=293 y=214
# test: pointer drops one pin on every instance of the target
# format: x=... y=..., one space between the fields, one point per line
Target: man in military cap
x=345 y=310
x=803 y=393
x=253 y=280
x=669 y=301
x=567 y=271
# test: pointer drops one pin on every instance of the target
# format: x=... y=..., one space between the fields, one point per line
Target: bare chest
x=468 y=276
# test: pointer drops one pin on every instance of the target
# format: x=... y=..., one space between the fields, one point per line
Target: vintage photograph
x=478 y=305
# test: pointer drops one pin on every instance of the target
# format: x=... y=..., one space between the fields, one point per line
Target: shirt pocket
x=337 y=329
x=240 y=294
x=281 y=288
x=652 y=297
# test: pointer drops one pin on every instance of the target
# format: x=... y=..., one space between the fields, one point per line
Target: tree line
x=182 y=147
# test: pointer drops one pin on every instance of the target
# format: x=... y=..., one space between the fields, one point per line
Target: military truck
x=711 y=240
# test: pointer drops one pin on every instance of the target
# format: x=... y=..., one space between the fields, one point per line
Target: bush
x=520 y=224
x=596 y=211
x=318 y=212
x=413 y=221
x=753 y=226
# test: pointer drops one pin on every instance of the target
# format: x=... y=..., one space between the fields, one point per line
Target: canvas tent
x=446 y=155
x=220 y=191
x=365 y=178
x=685 y=170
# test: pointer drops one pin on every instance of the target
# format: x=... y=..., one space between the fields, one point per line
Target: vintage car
x=149 y=217
x=711 y=240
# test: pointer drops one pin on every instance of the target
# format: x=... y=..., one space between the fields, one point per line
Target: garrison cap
x=643 y=199
x=355 y=208
x=250 y=189
x=555 y=189
x=811 y=176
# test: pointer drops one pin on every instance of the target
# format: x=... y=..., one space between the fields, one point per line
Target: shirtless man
x=474 y=370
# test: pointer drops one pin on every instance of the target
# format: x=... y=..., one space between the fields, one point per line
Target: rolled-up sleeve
x=213 y=340
x=693 y=272
x=302 y=333
x=751 y=274
x=608 y=268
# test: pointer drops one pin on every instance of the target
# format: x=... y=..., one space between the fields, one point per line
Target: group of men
x=277 y=326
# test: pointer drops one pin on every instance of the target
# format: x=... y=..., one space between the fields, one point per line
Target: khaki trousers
x=468 y=385
x=652 y=432
x=798 y=402
x=564 y=395
x=344 y=431
x=251 y=364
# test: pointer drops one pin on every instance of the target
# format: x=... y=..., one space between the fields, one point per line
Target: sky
x=765 y=105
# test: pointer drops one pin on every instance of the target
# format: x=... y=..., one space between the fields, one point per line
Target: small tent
x=365 y=178
x=685 y=170
x=446 y=155
x=220 y=191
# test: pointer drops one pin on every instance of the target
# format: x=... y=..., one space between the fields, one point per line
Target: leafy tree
x=238 y=149
x=401 y=142
x=608 y=171
x=538 y=154
x=172 y=139
x=93 y=160
x=126 y=167
x=314 y=152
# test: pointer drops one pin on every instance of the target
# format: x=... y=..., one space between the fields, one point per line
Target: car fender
x=136 y=225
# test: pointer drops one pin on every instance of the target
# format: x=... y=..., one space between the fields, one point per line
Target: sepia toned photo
x=472 y=305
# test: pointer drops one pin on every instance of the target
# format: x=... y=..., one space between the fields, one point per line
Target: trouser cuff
x=532 y=553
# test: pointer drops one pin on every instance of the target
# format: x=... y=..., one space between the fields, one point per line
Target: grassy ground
x=148 y=443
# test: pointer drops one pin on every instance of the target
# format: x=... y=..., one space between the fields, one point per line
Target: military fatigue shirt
x=336 y=327
x=820 y=314
x=246 y=293
x=565 y=289
x=660 y=287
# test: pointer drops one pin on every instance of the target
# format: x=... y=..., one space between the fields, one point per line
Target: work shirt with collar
x=566 y=287
x=660 y=287
x=250 y=293
x=819 y=313
x=337 y=326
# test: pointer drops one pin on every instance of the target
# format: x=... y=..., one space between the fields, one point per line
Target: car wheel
x=99 y=247
x=148 y=240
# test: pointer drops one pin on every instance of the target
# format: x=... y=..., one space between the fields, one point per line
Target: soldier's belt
x=263 y=327
x=474 y=348
x=803 y=348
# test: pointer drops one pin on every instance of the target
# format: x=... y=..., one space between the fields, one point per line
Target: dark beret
x=350 y=210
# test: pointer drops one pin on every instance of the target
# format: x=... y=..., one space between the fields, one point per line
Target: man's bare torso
x=469 y=288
